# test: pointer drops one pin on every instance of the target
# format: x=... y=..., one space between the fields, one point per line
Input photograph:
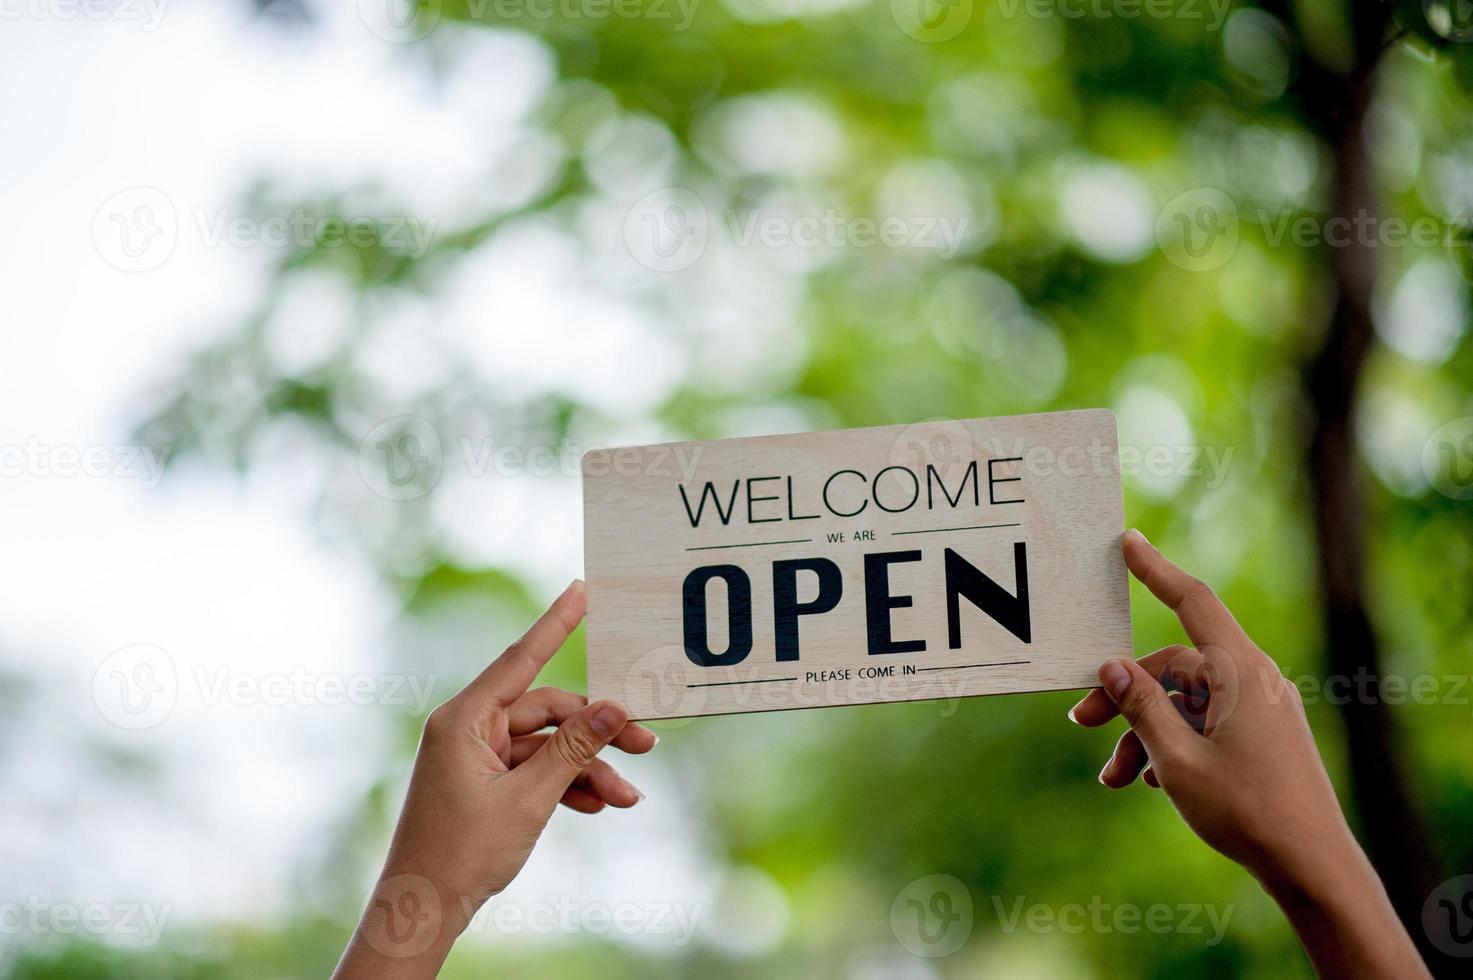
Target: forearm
x=406 y=931
x=1345 y=921
x=362 y=961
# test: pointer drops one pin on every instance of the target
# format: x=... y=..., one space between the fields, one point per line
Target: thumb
x=1147 y=707
x=552 y=768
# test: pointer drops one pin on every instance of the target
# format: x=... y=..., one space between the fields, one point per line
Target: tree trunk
x=1389 y=819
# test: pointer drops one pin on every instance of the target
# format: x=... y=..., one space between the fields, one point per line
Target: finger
x=582 y=800
x=1176 y=666
x=509 y=675
x=548 y=773
x=1129 y=759
x=608 y=785
x=1146 y=706
x=523 y=747
x=1202 y=614
x=537 y=709
x=598 y=777
x=1149 y=777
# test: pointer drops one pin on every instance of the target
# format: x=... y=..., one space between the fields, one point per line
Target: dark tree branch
x=1390 y=821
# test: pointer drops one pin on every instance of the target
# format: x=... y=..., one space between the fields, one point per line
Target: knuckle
x=574 y=747
x=1137 y=702
x=440 y=722
x=1198 y=589
x=1292 y=693
x=516 y=655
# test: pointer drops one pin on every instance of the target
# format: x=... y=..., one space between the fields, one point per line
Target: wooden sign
x=936 y=560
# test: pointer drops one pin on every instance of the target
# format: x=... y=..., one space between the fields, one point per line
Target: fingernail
x=1116 y=679
x=1135 y=533
x=1071 y=715
x=634 y=789
x=657 y=739
x=608 y=720
x=576 y=585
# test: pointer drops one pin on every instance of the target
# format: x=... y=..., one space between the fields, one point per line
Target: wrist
x=1319 y=872
x=1334 y=899
x=408 y=926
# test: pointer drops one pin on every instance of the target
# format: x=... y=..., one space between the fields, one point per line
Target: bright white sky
x=219 y=573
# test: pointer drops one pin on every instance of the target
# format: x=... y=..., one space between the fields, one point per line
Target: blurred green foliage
x=843 y=808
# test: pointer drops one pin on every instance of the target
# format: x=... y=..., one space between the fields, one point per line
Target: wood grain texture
x=974 y=488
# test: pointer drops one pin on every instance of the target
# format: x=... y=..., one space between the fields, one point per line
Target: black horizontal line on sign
x=969 y=527
x=749 y=544
x=1001 y=663
x=765 y=680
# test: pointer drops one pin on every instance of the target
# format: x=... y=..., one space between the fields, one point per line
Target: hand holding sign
x=1229 y=744
x=485 y=782
x=1224 y=733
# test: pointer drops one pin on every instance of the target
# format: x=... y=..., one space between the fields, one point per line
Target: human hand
x=484 y=784
x=1231 y=745
x=1224 y=733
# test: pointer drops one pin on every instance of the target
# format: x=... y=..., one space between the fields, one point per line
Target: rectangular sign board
x=936 y=560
